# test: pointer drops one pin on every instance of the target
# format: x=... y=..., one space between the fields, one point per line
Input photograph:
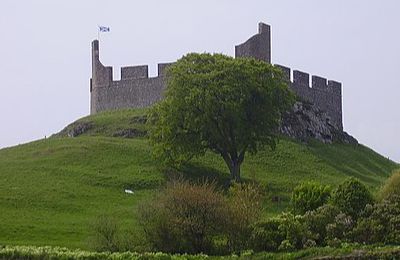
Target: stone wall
x=325 y=94
x=137 y=90
x=134 y=90
x=258 y=46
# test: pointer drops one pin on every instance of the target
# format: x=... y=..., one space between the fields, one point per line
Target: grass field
x=52 y=190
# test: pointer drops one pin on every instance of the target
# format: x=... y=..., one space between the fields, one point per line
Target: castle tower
x=258 y=46
x=101 y=78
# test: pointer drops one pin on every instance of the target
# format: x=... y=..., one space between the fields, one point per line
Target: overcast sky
x=45 y=54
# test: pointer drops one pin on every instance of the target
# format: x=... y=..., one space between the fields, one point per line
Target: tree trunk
x=235 y=170
x=233 y=165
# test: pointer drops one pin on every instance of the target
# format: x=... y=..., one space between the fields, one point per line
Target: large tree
x=218 y=103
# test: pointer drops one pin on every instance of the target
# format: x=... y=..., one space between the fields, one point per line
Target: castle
x=137 y=90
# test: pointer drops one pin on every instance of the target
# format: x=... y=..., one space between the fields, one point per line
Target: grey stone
x=130 y=133
x=306 y=121
x=76 y=129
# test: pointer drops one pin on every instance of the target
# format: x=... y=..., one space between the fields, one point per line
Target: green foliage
x=245 y=206
x=218 y=103
x=286 y=245
x=295 y=231
x=338 y=231
x=285 y=233
x=369 y=231
x=380 y=223
x=57 y=253
x=185 y=217
x=391 y=187
x=327 y=225
x=194 y=218
x=317 y=220
x=105 y=235
x=266 y=235
x=351 y=197
x=309 y=196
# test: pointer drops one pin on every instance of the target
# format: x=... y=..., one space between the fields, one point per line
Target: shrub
x=309 y=196
x=294 y=230
x=369 y=231
x=105 y=234
x=391 y=186
x=286 y=245
x=266 y=235
x=351 y=197
x=285 y=233
x=185 y=217
x=245 y=205
x=380 y=223
x=317 y=220
x=338 y=231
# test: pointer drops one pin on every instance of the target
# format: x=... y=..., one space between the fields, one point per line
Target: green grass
x=51 y=190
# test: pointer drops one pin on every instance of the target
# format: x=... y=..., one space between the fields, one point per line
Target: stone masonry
x=137 y=90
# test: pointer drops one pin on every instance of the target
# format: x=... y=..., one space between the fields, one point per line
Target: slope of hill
x=51 y=190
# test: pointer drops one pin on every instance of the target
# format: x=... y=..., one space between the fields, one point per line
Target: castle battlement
x=137 y=90
x=326 y=94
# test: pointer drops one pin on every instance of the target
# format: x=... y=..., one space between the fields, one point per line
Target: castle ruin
x=137 y=90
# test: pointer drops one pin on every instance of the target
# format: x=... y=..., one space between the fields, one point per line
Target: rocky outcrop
x=75 y=129
x=306 y=121
x=129 y=133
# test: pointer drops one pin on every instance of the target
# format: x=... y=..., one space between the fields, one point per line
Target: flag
x=104 y=29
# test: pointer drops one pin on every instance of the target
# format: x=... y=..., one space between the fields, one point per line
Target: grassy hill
x=51 y=190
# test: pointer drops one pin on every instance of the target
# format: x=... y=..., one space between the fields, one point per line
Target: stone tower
x=258 y=46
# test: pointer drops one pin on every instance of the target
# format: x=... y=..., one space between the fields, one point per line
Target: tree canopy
x=219 y=103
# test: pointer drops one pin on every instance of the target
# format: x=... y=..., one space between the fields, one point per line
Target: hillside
x=51 y=190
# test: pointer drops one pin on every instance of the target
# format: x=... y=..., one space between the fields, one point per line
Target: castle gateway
x=137 y=90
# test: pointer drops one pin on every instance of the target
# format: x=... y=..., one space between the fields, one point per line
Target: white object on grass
x=128 y=191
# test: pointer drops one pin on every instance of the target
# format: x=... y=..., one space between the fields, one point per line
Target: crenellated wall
x=134 y=90
x=137 y=90
x=326 y=94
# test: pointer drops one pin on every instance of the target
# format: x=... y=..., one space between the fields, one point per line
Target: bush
x=266 y=235
x=285 y=233
x=391 y=186
x=369 y=231
x=245 y=206
x=338 y=231
x=317 y=220
x=294 y=230
x=351 y=197
x=380 y=223
x=309 y=196
x=105 y=235
x=185 y=217
x=195 y=218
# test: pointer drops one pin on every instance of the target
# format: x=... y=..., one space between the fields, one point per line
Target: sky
x=45 y=62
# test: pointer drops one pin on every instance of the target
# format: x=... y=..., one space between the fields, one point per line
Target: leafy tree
x=218 y=103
